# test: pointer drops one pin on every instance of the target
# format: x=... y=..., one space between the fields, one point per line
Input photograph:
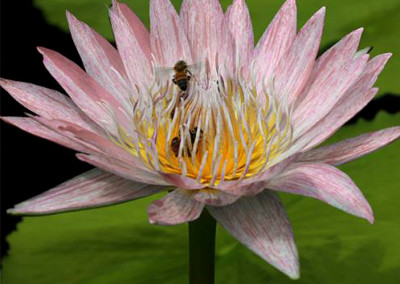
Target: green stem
x=202 y=249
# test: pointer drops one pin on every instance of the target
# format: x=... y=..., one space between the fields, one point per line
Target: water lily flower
x=246 y=126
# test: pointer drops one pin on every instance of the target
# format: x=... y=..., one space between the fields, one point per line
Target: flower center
x=223 y=131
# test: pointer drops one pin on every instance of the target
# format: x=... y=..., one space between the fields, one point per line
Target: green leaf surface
x=117 y=245
x=379 y=18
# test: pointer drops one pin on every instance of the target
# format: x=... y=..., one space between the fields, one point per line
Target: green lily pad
x=379 y=18
x=117 y=245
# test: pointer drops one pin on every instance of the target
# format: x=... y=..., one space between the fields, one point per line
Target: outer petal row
x=91 y=189
x=47 y=103
x=355 y=99
x=260 y=223
x=353 y=148
x=326 y=183
x=333 y=74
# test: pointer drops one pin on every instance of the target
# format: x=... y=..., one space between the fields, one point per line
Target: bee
x=182 y=75
x=176 y=141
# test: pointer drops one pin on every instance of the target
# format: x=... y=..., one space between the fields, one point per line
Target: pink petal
x=175 y=208
x=214 y=197
x=295 y=67
x=334 y=73
x=182 y=181
x=260 y=223
x=91 y=189
x=32 y=126
x=133 y=42
x=101 y=60
x=355 y=99
x=239 y=24
x=84 y=91
x=98 y=143
x=351 y=149
x=104 y=154
x=339 y=54
x=124 y=170
x=326 y=183
x=256 y=184
x=46 y=102
x=136 y=25
x=276 y=40
x=168 y=39
x=202 y=23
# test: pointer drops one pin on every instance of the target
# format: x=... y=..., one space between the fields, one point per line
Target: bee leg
x=174 y=81
x=184 y=95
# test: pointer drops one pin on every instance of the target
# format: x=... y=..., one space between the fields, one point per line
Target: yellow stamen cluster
x=224 y=131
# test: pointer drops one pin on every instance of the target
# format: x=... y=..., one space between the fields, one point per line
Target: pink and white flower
x=247 y=126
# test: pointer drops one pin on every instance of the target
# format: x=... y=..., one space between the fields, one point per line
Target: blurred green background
x=117 y=245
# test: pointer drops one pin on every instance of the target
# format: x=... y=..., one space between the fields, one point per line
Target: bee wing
x=196 y=68
x=164 y=73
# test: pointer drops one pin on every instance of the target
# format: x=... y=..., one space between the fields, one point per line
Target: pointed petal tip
x=16 y=211
x=290 y=3
x=69 y=15
x=114 y=5
x=4 y=82
x=71 y=18
x=151 y=220
x=371 y=220
x=387 y=55
x=381 y=60
x=358 y=32
x=239 y=3
x=319 y=15
x=294 y=274
x=292 y=267
x=12 y=211
x=42 y=50
x=369 y=215
x=294 y=277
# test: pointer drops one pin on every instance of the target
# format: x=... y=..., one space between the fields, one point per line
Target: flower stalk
x=202 y=249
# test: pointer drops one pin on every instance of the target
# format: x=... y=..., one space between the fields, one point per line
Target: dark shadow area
x=29 y=165
x=388 y=102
